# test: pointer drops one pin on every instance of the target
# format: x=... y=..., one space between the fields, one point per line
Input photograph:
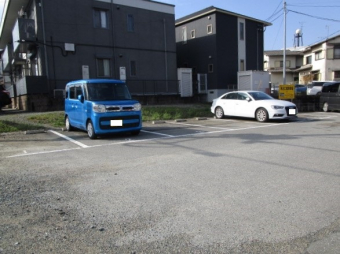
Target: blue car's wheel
x=90 y=130
x=68 y=126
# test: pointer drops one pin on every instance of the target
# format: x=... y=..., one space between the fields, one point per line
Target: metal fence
x=137 y=87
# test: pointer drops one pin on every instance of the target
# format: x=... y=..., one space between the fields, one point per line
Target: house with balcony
x=317 y=62
x=216 y=44
x=273 y=63
x=45 y=44
x=321 y=61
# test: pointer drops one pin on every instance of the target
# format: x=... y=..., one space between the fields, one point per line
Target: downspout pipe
x=45 y=47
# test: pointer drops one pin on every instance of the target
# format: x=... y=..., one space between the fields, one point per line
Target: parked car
x=5 y=98
x=330 y=96
x=252 y=104
x=300 y=89
x=315 y=87
x=101 y=106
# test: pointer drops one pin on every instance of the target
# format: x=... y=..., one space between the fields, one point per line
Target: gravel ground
x=40 y=213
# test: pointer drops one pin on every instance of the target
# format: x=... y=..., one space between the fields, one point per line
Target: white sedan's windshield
x=258 y=96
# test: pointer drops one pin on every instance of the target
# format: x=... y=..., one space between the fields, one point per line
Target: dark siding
x=254 y=45
x=200 y=51
x=227 y=50
x=72 y=22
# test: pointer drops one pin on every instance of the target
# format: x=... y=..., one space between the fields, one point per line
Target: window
x=318 y=55
x=265 y=65
x=210 y=68
x=241 y=31
x=209 y=29
x=336 y=75
x=242 y=96
x=241 y=65
x=133 y=70
x=130 y=23
x=193 y=33
x=231 y=96
x=309 y=60
x=337 y=52
x=316 y=76
x=100 y=18
x=184 y=35
x=279 y=64
x=103 y=67
x=72 y=92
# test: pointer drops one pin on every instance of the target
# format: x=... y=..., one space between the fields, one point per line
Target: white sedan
x=252 y=104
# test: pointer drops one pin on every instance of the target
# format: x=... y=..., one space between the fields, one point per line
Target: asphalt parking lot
x=193 y=186
x=157 y=130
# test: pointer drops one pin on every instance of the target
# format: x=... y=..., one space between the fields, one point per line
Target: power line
x=273 y=18
x=318 y=6
x=275 y=12
x=334 y=20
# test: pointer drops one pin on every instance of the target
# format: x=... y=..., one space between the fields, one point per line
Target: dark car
x=330 y=96
x=5 y=98
x=300 y=89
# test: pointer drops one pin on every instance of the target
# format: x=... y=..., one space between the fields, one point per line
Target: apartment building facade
x=48 y=43
x=216 y=44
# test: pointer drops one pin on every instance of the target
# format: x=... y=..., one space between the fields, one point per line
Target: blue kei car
x=101 y=106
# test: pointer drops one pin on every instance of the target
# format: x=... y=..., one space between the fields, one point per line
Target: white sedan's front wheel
x=261 y=115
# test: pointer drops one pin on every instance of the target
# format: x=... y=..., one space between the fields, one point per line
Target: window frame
x=184 y=35
x=209 y=29
x=336 y=52
x=133 y=68
x=100 y=24
x=130 y=23
x=193 y=34
x=98 y=61
x=241 y=31
x=318 y=55
x=210 y=68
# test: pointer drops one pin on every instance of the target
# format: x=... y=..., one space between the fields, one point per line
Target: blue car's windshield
x=260 y=96
x=107 y=92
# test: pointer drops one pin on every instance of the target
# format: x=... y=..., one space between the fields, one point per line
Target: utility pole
x=284 y=43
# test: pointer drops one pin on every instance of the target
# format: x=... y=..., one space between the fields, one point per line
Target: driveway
x=198 y=186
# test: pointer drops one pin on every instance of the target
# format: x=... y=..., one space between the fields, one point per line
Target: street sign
x=286 y=92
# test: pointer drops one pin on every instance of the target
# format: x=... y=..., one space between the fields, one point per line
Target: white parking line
x=157 y=133
x=139 y=141
x=69 y=139
x=197 y=125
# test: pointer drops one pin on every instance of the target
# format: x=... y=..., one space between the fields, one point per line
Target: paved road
x=208 y=186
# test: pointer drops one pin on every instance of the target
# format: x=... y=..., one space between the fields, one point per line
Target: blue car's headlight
x=277 y=107
x=137 y=107
x=98 y=108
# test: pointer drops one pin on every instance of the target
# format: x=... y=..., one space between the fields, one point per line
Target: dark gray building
x=217 y=44
x=47 y=43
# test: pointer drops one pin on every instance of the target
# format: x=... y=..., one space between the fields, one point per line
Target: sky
x=317 y=19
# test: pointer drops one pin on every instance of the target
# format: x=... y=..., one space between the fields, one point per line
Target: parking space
x=60 y=141
x=277 y=180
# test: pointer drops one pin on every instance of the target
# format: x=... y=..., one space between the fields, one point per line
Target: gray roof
x=280 y=53
x=213 y=9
